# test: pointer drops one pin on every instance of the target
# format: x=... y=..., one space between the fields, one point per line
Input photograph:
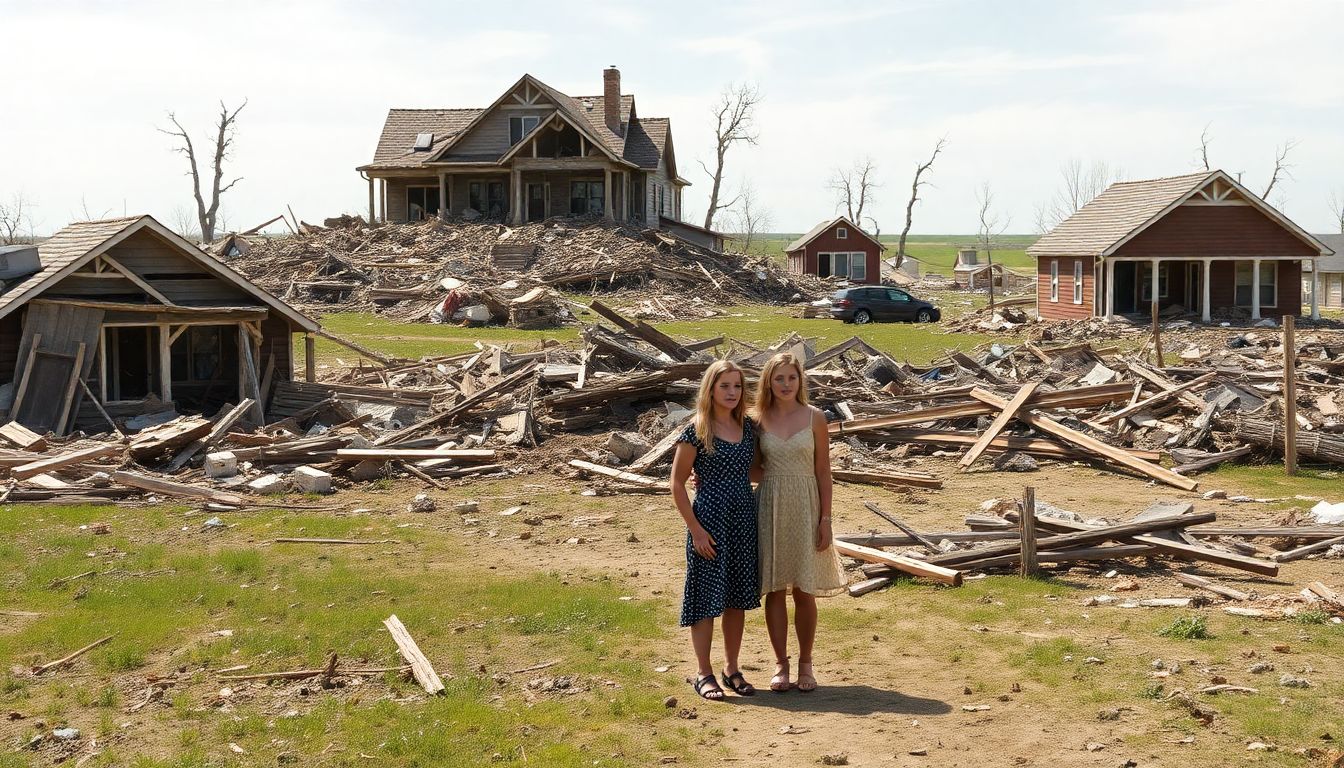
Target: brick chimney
x=611 y=98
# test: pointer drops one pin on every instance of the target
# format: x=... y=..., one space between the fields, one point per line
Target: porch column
x=1110 y=290
x=1204 y=308
x=1315 y=287
x=516 y=192
x=165 y=363
x=371 y=207
x=1154 y=283
x=382 y=200
x=1255 y=289
x=309 y=357
x=443 y=194
x=606 y=194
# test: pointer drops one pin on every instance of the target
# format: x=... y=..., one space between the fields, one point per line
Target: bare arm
x=821 y=457
x=757 y=471
x=682 y=461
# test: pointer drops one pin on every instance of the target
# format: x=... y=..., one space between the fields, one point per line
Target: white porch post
x=382 y=200
x=1315 y=288
x=516 y=192
x=606 y=192
x=371 y=209
x=1154 y=283
x=1255 y=289
x=1204 y=308
x=1110 y=289
x=443 y=194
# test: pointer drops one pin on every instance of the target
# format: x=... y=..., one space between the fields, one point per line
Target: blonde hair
x=765 y=395
x=704 y=401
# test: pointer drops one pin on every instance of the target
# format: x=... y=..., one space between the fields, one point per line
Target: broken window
x=421 y=202
x=520 y=127
x=586 y=197
x=487 y=198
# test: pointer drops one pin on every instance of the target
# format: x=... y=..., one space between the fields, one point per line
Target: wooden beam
x=413 y=454
x=1289 y=394
x=1160 y=397
x=660 y=449
x=923 y=541
x=68 y=399
x=615 y=474
x=885 y=479
x=157 y=485
x=361 y=349
x=49 y=463
x=139 y=281
x=249 y=369
x=1306 y=549
x=165 y=364
x=309 y=357
x=1089 y=443
x=471 y=402
x=1006 y=415
x=1199 y=582
x=1080 y=535
x=1027 y=525
x=904 y=564
x=1064 y=398
x=421 y=669
x=1172 y=547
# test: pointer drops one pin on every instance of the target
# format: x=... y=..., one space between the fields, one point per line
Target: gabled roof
x=645 y=142
x=403 y=125
x=816 y=231
x=1335 y=261
x=1126 y=208
x=80 y=242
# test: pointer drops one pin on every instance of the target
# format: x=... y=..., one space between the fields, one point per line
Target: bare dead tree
x=1079 y=185
x=855 y=188
x=1337 y=210
x=750 y=217
x=992 y=225
x=919 y=181
x=1281 y=166
x=1204 y=141
x=225 y=127
x=185 y=222
x=735 y=123
x=16 y=216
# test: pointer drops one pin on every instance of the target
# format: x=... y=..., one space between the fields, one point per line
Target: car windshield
x=840 y=294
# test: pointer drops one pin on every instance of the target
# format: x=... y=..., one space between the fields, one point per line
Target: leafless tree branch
x=1079 y=185
x=855 y=188
x=1337 y=210
x=1204 y=141
x=918 y=182
x=734 y=123
x=992 y=225
x=750 y=218
x=1281 y=166
x=225 y=126
x=15 y=216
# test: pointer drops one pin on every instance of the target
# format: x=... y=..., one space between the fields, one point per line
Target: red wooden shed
x=837 y=248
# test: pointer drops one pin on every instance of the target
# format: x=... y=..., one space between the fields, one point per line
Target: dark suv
x=877 y=303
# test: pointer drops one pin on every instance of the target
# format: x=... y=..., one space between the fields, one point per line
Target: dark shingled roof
x=399 y=132
x=1122 y=208
x=1334 y=262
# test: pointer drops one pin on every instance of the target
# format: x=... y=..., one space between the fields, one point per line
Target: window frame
x=1054 y=280
x=424 y=190
x=522 y=127
x=841 y=233
x=858 y=259
x=1273 y=283
x=1078 y=281
x=587 y=196
x=1145 y=281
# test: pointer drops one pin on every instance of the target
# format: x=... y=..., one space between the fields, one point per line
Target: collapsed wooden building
x=123 y=316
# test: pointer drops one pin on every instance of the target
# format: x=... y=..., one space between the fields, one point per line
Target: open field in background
x=937 y=252
x=755 y=324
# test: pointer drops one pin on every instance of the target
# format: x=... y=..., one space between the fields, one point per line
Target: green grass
x=1187 y=628
x=288 y=606
x=759 y=325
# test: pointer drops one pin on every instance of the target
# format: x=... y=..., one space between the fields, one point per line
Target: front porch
x=1263 y=287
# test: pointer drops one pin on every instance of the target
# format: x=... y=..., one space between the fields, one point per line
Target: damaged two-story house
x=532 y=154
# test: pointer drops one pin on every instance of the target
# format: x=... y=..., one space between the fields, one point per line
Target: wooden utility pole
x=1289 y=397
x=1157 y=335
x=1027 y=525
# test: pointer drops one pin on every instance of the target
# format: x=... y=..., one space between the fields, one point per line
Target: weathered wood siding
x=1064 y=308
x=176 y=276
x=489 y=138
x=1218 y=232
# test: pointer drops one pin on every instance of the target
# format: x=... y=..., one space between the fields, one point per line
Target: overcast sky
x=1017 y=88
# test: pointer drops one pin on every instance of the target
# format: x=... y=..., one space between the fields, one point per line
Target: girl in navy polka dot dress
x=721 y=559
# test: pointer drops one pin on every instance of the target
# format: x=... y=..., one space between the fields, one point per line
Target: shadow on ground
x=845 y=700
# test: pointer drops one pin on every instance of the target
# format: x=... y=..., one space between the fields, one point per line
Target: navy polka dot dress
x=726 y=508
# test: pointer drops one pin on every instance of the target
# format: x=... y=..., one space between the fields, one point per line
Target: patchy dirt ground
x=1002 y=671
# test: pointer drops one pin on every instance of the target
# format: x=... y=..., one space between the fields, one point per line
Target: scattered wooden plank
x=1330 y=596
x=1199 y=582
x=1027 y=523
x=660 y=449
x=908 y=565
x=1064 y=398
x=361 y=349
x=467 y=404
x=1080 y=535
x=414 y=454
x=23 y=437
x=899 y=480
x=1160 y=397
x=61 y=662
x=1006 y=415
x=50 y=463
x=421 y=669
x=923 y=541
x=1212 y=460
x=616 y=474
x=169 y=488
x=861 y=588
x=1306 y=549
x=1172 y=547
x=1089 y=443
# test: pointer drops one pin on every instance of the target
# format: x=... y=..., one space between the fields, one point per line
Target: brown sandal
x=806 y=681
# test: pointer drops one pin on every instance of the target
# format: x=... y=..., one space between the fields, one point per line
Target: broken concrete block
x=269 y=483
x=221 y=464
x=1013 y=461
x=627 y=446
x=311 y=480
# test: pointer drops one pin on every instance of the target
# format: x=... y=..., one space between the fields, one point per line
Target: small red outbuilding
x=837 y=248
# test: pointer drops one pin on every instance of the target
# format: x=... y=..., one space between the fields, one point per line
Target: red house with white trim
x=837 y=248
x=1201 y=241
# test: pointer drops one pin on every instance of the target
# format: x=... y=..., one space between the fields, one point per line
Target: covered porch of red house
x=1263 y=287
